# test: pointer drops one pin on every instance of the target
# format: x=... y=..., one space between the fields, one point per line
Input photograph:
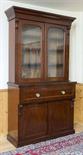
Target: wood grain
x=78 y=107
x=3 y=112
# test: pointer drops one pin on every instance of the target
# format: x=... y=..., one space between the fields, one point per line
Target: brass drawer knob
x=63 y=92
x=37 y=95
x=20 y=106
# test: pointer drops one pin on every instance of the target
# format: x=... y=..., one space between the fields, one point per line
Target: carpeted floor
x=68 y=145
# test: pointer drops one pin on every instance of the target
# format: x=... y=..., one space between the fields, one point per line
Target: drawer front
x=48 y=92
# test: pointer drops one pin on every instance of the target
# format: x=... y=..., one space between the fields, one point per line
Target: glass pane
x=31 y=51
x=55 y=52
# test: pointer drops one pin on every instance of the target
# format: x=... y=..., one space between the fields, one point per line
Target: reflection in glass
x=31 y=52
x=55 y=52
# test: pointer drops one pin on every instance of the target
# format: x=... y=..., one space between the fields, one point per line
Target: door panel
x=33 y=120
x=55 y=52
x=30 y=55
x=60 y=115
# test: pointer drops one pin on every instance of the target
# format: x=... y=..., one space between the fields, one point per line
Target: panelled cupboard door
x=33 y=120
x=60 y=116
x=30 y=56
x=55 y=52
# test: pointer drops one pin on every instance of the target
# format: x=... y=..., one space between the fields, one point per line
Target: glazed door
x=33 y=121
x=60 y=116
x=56 y=53
x=30 y=55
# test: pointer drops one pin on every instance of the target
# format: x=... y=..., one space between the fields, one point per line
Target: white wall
x=76 y=40
x=76 y=49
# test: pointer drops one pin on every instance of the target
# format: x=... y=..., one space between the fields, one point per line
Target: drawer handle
x=21 y=106
x=63 y=92
x=37 y=95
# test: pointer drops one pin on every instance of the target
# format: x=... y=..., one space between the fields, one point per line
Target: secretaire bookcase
x=40 y=95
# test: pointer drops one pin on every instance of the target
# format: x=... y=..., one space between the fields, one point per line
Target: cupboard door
x=33 y=121
x=55 y=52
x=60 y=116
x=31 y=37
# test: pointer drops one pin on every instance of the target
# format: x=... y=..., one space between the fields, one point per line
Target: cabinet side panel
x=12 y=51
x=13 y=101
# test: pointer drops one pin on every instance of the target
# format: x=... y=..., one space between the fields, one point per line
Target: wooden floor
x=6 y=146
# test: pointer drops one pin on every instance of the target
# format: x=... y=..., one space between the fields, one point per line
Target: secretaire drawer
x=46 y=92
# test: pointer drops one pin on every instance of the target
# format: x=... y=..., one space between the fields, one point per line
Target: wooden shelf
x=31 y=50
x=55 y=65
x=31 y=65
x=55 y=50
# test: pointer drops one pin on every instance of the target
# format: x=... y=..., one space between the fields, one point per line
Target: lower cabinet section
x=43 y=114
x=40 y=120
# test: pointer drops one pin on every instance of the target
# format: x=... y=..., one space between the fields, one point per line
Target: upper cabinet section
x=39 y=46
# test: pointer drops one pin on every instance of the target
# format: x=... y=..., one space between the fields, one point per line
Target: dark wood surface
x=22 y=13
x=36 y=116
x=47 y=92
x=59 y=116
x=38 y=108
x=40 y=118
